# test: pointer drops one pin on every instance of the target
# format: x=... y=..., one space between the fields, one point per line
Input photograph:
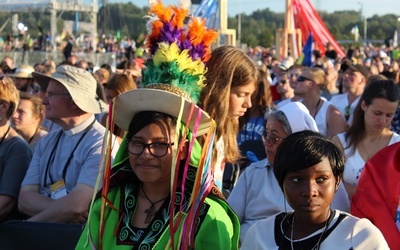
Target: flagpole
x=286 y=30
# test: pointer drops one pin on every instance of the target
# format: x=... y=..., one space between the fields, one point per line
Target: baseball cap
x=355 y=67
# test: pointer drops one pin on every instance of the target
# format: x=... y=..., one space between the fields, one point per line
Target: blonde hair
x=9 y=93
x=228 y=67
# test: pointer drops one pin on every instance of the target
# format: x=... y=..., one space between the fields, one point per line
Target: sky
x=370 y=7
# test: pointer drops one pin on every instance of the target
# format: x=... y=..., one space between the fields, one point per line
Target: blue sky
x=371 y=7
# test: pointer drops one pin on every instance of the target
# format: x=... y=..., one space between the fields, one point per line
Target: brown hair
x=377 y=87
x=37 y=106
x=120 y=83
x=228 y=67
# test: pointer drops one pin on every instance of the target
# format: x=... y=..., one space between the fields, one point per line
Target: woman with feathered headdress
x=160 y=193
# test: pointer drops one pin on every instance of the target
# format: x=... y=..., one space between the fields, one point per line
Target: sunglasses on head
x=302 y=79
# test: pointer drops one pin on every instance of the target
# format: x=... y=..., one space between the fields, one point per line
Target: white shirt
x=257 y=195
x=350 y=233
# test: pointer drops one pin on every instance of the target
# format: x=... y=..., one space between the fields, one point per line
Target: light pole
x=363 y=18
x=239 y=38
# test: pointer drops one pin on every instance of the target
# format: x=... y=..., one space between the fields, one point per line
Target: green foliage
x=258 y=28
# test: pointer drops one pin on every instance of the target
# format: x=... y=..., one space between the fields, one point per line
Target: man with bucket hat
x=61 y=178
x=23 y=79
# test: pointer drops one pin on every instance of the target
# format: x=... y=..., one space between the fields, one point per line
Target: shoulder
x=338 y=97
x=266 y=225
x=358 y=225
x=256 y=166
x=395 y=138
x=18 y=145
x=363 y=232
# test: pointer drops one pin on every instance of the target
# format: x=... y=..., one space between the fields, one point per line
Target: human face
x=110 y=94
x=240 y=99
x=149 y=168
x=274 y=128
x=283 y=85
x=303 y=86
x=352 y=80
x=294 y=74
x=22 y=84
x=310 y=191
x=379 y=114
x=59 y=104
x=23 y=118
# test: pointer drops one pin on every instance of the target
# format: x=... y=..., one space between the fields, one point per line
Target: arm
x=7 y=203
x=72 y=208
x=223 y=224
x=31 y=201
x=335 y=121
x=237 y=198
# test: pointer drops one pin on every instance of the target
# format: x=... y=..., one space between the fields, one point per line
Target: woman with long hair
x=231 y=80
x=369 y=131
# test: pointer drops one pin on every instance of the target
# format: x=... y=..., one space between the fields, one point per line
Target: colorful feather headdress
x=178 y=52
x=172 y=81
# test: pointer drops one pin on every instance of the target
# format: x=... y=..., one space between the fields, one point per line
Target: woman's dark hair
x=144 y=118
x=304 y=149
x=377 y=87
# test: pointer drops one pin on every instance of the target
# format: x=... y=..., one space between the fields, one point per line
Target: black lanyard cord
x=52 y=156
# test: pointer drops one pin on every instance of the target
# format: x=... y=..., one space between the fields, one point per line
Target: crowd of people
x=139 y=155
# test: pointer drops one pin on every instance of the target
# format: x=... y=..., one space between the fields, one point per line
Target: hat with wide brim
x=25 y=71
x=79 y=83
x=148 y=99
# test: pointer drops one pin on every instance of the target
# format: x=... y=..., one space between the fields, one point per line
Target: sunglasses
x=302 y=79
x=283 y=81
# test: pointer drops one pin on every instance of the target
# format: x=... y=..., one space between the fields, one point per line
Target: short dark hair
x=306 y=148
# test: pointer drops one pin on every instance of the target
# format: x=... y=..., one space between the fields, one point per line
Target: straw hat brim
x=132 y=102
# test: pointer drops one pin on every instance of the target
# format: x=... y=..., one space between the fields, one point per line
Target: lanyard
x=52 y=156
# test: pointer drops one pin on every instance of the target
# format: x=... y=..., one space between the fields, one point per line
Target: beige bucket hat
x=25 y=71
x=80 y=84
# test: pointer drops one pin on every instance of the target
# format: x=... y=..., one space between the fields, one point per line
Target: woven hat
x=79 y=83
x=25 y=71
x=173 y=75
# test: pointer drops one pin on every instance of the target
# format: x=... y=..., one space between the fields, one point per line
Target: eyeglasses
x=302 y=79
x=157 y=149
x=347 y=112
x=50 y=95
x=272 y=138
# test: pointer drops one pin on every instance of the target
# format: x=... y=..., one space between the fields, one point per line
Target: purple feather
x=170 y=34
